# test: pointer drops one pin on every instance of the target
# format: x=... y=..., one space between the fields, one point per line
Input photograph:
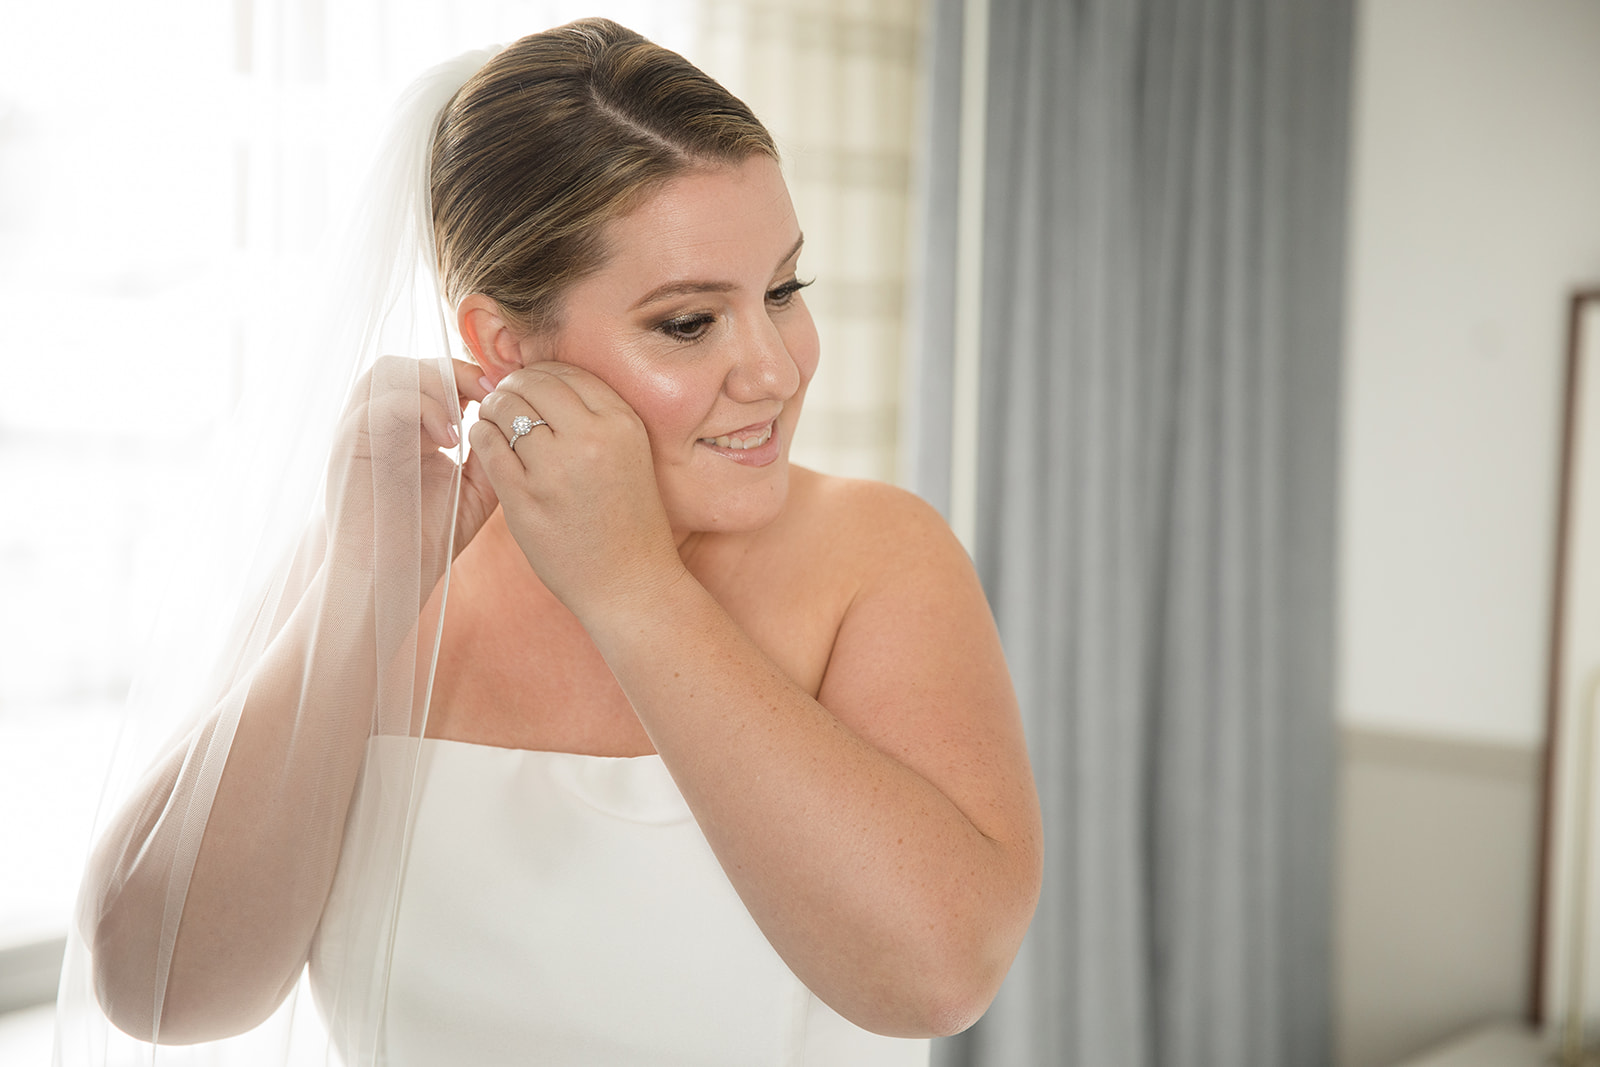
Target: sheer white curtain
x=161 y=165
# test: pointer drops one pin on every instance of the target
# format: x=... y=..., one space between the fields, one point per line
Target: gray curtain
x=1157 y=479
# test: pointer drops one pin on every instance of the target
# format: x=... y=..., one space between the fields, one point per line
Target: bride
x=620 y=740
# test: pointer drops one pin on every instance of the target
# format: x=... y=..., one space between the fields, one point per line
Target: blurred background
x=1230 y=336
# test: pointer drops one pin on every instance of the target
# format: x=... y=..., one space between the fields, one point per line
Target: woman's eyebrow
x=794 y=251
x=684 y=288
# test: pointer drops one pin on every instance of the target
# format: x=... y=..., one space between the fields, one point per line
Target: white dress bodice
x=565 y=909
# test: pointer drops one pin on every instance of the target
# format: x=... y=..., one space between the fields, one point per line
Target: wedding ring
x=521 y=426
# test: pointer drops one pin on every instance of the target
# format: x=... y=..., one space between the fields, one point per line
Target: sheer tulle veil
x=303 y=601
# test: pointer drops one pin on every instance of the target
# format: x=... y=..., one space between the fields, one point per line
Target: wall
x=1435 y=892
x=1475 y=210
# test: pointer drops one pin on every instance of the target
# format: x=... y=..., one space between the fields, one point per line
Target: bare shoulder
x=860 y=497
x=915 y=666
x=914 y=616
x=874 y=524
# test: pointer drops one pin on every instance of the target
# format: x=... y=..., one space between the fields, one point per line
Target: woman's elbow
x=951 y=980
x=934 y=999
x=178 y=1007
x=971 y=954
x=951 y=999
x=124 y=970
x=949 y=1011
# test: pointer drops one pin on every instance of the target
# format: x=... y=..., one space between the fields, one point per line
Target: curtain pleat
x=1157 y=480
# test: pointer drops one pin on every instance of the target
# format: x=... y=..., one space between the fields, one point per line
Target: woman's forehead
x=732 y=220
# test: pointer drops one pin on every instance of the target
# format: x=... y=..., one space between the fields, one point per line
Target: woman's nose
x=763 y=368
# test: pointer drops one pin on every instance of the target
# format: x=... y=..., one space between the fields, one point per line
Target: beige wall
x=1433 y=932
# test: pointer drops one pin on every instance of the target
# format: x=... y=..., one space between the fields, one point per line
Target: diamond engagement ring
x=522 y=426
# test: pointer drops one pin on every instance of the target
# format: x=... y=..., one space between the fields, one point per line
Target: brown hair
x=556 y=136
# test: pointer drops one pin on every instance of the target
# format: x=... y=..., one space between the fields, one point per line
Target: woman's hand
x=387 y=452
x=579 y=492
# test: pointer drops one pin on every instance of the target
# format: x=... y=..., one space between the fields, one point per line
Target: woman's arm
x=270 y=840
x=885 y=835
x=293 y=732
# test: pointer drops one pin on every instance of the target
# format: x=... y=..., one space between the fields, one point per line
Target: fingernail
x=488 y=386
x=455 y=434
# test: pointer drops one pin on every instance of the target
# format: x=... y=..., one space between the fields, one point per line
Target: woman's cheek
x=672 y=401
x=669 y=399
x=800 y=339
x=654 y=388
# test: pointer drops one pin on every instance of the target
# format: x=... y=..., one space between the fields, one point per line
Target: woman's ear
x=489 y=336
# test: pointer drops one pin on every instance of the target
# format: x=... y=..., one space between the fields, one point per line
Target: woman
x=719 y=761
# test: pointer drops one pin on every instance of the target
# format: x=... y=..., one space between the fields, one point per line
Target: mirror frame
x=1582 y=368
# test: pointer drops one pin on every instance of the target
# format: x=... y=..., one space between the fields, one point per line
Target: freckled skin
x=812 y=657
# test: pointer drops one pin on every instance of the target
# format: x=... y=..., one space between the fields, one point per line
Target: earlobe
x=490 y=339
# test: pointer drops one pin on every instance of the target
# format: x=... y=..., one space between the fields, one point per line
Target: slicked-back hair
x=557 y=135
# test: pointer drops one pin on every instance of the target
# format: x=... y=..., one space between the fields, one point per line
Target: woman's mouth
x=755 y=446
x=741 y=440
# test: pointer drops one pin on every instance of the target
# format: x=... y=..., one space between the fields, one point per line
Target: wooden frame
x=1573 y=653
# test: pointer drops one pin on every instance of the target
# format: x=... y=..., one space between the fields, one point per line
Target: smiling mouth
x=741 y=440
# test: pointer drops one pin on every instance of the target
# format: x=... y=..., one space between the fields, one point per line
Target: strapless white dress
x=565 y=909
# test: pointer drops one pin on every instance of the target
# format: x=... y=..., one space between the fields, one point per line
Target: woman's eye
x=687 y=327
x=783 y=294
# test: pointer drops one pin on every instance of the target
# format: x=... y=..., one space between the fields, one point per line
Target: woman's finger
x=596 y=395
x=478 y=499
x=503 y=407
x=550 y=388
x=469 y=378
x=399 y=413
x=516 y=420
x=490 y=446
x=439 y=423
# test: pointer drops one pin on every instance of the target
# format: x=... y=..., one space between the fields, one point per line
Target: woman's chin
x=741 y=510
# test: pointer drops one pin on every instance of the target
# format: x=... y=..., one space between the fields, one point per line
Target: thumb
x=478 y=501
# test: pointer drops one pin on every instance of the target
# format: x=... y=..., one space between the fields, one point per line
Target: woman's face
x=696 y=321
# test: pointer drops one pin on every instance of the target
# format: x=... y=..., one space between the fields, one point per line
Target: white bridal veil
x=302 y=611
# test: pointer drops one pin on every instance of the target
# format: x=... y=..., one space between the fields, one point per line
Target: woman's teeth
x=741 y=443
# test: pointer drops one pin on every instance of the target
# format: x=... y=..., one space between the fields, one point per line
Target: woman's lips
x=749 y=437
x=754 y=445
